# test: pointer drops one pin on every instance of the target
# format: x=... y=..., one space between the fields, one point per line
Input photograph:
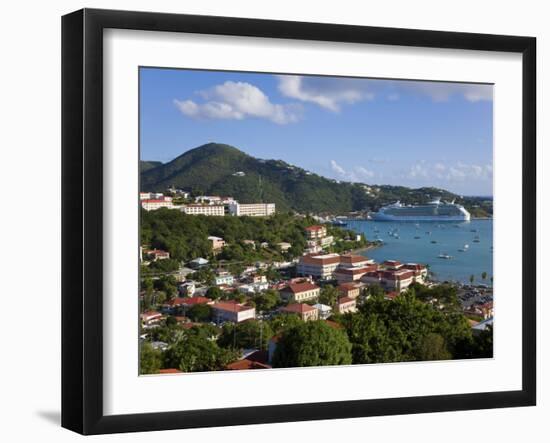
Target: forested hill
x=218 y=169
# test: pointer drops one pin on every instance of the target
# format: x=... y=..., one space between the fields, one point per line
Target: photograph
x=292 y=220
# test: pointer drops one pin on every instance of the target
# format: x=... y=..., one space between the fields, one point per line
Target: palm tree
x=472 y=278
x=483 y=275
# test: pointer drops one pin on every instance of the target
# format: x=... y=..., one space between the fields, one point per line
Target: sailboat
x=464 y=248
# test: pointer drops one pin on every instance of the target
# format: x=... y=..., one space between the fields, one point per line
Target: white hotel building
x=251 y=209
x=215 y=210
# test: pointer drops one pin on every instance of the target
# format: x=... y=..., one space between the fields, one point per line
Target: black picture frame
x=82 y=217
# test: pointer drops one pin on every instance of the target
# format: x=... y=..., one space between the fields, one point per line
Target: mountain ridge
x=220 y=169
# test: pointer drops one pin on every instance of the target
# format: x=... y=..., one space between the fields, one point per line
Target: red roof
x=320 y=259
x=343 y=300
x=231 y=306
x=354 y=271
x=169 y=371
x=351 y=258
x=296 y=288
x=299 y=308
x=197 y=300
x=150 y=314
x=315 y=228
x=246 y=364
x=154 y=200
x=178 y=301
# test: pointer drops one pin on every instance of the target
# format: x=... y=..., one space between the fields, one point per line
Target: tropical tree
x=483 y=275
x=472 y=278
x=195 y=353
x=328 y=295
x=150 y=359
x=251 y=334
x=312 y=343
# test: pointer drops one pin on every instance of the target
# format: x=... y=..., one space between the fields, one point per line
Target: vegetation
x=194 y=353
x=186 y=237
x=250 y=334
x=412 y=327
x=312 y=343
x=150 y=360
x=209 y=169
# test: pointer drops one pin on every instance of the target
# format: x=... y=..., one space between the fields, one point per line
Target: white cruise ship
x=436 y=210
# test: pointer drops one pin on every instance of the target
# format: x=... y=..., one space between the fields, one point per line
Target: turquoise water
x=449 y=238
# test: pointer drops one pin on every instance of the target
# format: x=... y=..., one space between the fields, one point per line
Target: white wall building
x=212 y=210
x=251 y=209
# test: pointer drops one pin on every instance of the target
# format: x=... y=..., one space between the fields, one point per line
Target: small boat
x=416 y=237
x=445 y=256
x=433 y=241
x=464 y=248
x=429 y=232
x=473 y=230
x=476 y=239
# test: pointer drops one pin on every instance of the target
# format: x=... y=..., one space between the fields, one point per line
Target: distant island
x=219 y=169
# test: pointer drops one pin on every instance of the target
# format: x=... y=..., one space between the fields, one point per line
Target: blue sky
x=397 y=132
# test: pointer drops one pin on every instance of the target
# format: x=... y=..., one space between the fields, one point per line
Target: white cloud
x=442 y=91
x=458 y=172
x=357 y=174
x=327 y=92
x=237 y=101
x=332 y=93
x=337 y=168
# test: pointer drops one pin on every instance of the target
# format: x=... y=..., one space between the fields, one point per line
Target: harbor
x=453 y=251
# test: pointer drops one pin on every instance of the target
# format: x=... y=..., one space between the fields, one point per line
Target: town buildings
x=299 y=292
x=232 y=311
x=217 y=243
x=304 y=311
x=316 y=232
x=251 y=209
x=153 y=204
x=318 y=266
x=350 y=289
x=346 y=304
x=208 y=210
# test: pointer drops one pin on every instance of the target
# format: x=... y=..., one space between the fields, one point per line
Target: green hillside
x=146 y=165
x=217 y=169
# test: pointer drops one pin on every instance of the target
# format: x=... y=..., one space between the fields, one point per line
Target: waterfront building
x=298 y=292
x=316 y=232
x=354 y=261
x=343 y=275
x=319 y=266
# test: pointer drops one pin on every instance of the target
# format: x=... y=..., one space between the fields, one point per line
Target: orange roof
x=351 y=258
x=169 y=371
x=231 y=306
x=299 y=308
x=246 y=364
x=315 y=228
x=296 y=288
x=343 y=300
x=350 y=285
x=320 y=259
x=197 y=300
